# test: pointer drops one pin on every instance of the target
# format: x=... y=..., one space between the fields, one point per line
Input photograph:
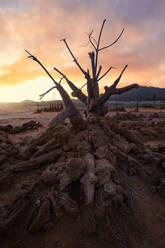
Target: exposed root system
x=81 y=188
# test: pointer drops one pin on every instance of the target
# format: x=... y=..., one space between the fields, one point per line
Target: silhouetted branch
x=109 y=91
x=105 y=73
x=43 y=94
x=94 y=40
x=35 y=59
x=74 y=59
x=92 y=57
x=98 y=44
x=63 y=93
x=83 y=86
x=54 y=87
x=90 y=40
x=99 y=70
x=93 y=82
x=73 y=111
x=76 y=91
x=118 y=79
x=59 y=72
x=124 y=89
x=113 y=41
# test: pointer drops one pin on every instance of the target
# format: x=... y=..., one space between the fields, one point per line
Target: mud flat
x=103 y=186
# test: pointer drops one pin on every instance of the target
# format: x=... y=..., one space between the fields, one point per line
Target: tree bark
x=109 y=91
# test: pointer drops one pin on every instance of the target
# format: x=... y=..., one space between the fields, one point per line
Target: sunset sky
x=38 y=26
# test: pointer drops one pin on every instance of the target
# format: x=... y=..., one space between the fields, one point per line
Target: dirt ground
x=144 y=226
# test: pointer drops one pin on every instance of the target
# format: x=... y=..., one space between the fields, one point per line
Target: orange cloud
x=40 y=28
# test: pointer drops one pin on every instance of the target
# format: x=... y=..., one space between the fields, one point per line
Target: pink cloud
x=40 y=28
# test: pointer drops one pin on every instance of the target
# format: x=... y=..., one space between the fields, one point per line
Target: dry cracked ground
x=99 y=187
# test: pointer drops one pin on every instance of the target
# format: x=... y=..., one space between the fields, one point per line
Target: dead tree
x=94 y=101
x=81 y=183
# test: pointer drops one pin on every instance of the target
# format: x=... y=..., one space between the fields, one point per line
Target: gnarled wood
x=95 y=103
x=76 y=91
x=112 y=90
x=89 y=180
x=72 y=112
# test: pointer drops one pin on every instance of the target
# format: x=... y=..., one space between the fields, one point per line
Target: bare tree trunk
x=94 y=102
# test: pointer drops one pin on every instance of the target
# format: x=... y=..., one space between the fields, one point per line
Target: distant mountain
x=143 y=93
x=28 y=101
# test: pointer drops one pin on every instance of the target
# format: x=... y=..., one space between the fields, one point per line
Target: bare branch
x=81 y=96
x=98 y=45
x=83 y=86
x=43 y=94
x=74 y=114
x=90 y=40
x=74 y=59
x=29 y=53
x=62 y=91
x=59 y=72
x=35 y=59
x=96 y=77
x=54 y=87
x=105 y=73
x=109 y=91
x=76 y=92
x=118 y=79
x=101 y=30
x=113 y=41
x=61 y=116
x=92 y=57
x=60 y=80
x=124 y=89
x=94 y=40
x=99 y=70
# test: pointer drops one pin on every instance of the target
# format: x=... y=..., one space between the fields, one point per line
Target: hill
x=143 y=93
